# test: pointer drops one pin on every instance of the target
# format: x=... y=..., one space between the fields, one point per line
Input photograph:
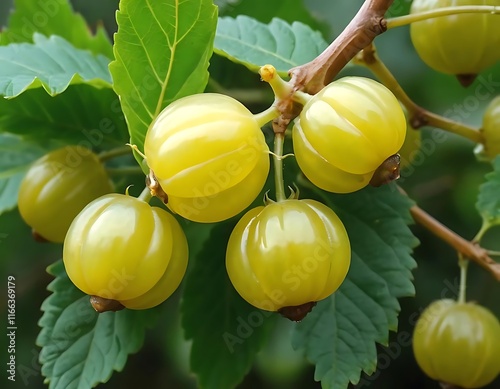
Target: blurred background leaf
x=51 y=18
x=16 y=155
x=488 y=202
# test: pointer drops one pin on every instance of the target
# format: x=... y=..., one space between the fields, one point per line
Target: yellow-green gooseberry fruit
x=209 y=156
x=346 y=131
x=57 y=187
x=458 y=343
x=120 y=248
x=491 y=131
x=462 y=44
x=288 y=255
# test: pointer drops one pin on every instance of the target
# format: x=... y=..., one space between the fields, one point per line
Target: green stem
x=266 y=116
x=463 y=263
x=445 y=11
x=432 y=119
x=418 y=115
x=278 y=167
x=281 y=88
x=484 y=227
x=145 y=195
x=301 y=97
x=124 y=170
x=113 y=153
x=477 y=239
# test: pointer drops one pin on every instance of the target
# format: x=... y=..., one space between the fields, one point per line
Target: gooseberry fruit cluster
x=209 y=160
x=118 y=249
x=208 y=155
x=458 y=343
x=462 y=45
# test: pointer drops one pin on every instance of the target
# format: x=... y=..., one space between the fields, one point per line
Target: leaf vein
x=141 y=100
x=257 y=48
x=171 y=62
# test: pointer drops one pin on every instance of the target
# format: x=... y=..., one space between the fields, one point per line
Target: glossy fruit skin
x=491 y=129
x=121 y=248
x=458 y=343
x=463 y=44
x=58 y=186
x=209 y=155
x=346 y=131
x=288 y=253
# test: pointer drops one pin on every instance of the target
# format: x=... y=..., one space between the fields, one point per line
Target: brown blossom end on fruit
x=387 y=172
x=101 y=304
x=466 y=79
x=298 y=312
x=155 y=187
x=37 y=237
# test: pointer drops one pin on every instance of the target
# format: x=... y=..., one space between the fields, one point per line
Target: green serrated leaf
x=246 y=41
x=54 y=18
x=16 y=155
x=51 y=63
x=162 y=50
x=339 y=334
x=218 y=320
x=264 y=11
x=81 y=348
x=488 y=201
x=82 y=115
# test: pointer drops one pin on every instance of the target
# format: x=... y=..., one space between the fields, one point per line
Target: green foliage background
x=445 y=182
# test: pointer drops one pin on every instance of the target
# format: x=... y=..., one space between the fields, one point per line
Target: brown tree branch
x=470 y=250
x=359 y=33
